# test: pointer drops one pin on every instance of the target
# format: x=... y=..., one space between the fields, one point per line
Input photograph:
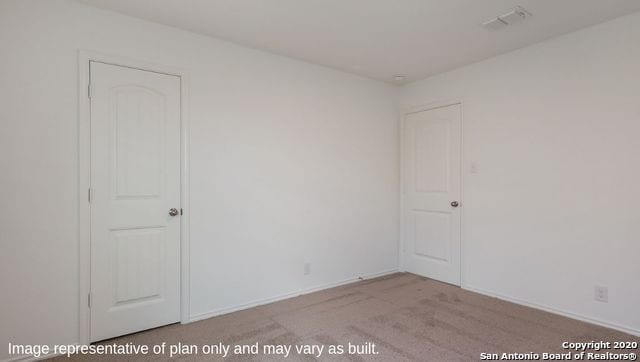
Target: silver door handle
x=454 y=203
x=173 y=211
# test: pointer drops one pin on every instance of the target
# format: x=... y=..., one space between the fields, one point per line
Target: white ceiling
x=375 y=38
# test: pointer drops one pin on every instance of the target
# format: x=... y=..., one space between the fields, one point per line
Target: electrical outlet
x=601 y=294
x=307 y=268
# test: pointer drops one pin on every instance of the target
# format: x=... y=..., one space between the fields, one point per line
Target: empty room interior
x=311 y=180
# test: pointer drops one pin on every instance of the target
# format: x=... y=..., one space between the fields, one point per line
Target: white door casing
x=431 y=157
x=135 y=181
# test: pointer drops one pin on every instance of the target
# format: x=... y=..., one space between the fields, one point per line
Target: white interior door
x=135 y=181
x=431 y=193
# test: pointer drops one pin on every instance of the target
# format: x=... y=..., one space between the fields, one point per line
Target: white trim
x=401 y=242
x=84 y=182
x=400 y=187
x=463 y=201
x=21 y=358
x=185 y=218
x=255 y=303
x=30 y=358
x=421 y=108
x=241 y=307
x=431 y=105
x=580 y=317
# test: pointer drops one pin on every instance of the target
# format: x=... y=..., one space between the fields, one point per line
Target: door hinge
x=181 y=211
x=89 y=195
x=89 y=90
x=89 y=300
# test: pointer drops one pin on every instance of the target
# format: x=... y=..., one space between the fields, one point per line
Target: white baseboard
x=255 y=303
x=30 y=358
x=19 y=358
x=621 y=328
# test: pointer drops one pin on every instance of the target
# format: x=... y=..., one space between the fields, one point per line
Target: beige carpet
x=407 y=317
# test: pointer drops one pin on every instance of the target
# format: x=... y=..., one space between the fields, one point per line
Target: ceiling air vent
x=512 y=16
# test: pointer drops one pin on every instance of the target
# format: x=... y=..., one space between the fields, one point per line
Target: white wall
x=291 y=162
x=554 y=129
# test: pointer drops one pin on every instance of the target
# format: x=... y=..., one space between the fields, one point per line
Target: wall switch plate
x=474 y=167
x=601 y=294
x=307 y=268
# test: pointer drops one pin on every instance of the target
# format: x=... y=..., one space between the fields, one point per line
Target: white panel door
x=135 y=181
x=431 y=193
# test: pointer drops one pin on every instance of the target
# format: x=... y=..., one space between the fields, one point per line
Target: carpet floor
x=407 y=317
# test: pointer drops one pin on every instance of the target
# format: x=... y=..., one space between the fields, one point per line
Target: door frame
x=403 y=178
x=84 y=182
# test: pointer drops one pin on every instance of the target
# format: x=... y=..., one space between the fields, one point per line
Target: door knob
x=454 y=203
x=173 y=211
